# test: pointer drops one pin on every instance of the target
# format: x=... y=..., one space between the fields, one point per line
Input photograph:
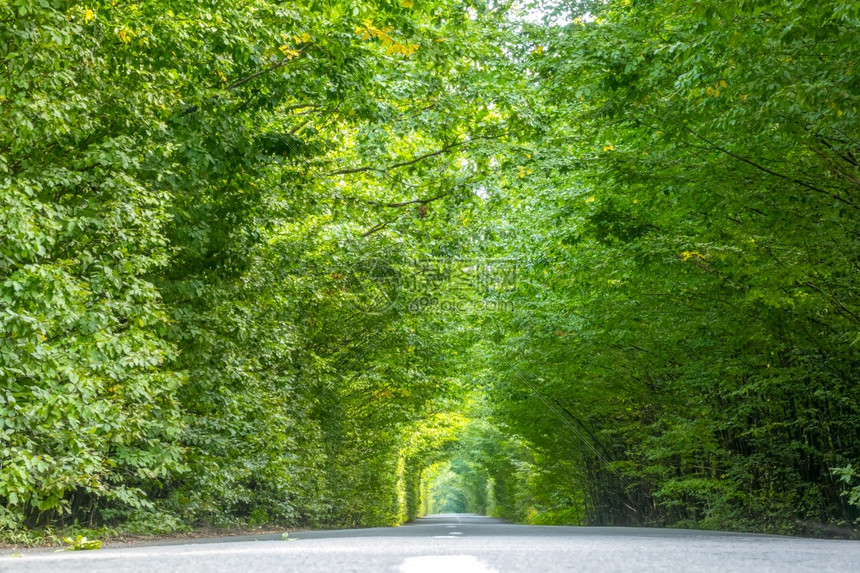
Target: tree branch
x=752 y=163
x=399 y=203
x=414 y=160
x=280 y=63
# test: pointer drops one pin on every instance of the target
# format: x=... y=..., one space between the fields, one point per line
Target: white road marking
x=447 y=563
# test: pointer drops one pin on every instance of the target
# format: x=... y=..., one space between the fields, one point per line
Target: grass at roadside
x=75 y=537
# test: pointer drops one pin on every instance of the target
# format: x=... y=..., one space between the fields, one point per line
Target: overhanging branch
x=414 y=160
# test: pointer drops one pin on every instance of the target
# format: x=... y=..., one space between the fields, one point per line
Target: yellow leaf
x=408 y=3
x=88 y=15
x=608 y=147
x=290 y=53
x=687 y=255
x=590 y=200
x=723 y=84
x=403 y=49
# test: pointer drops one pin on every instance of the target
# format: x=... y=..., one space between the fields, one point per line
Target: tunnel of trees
x=335 y=263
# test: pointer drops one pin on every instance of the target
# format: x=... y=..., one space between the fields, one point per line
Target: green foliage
x=848 y=476
x=685 y=340
x=145 y=521
x=81 y=543
x=194 y=198
x=173 y=178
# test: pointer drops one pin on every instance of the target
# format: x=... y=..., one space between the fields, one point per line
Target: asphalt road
x=458 y=543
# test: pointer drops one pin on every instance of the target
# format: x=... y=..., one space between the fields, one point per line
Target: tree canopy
x=341 y=263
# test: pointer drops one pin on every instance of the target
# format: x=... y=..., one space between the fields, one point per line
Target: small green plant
x=146 y=521
x=81 y=543
x=258 y=517
x=28 y=537
x=848 y=475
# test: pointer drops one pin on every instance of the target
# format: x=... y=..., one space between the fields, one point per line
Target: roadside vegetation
x=330 y=264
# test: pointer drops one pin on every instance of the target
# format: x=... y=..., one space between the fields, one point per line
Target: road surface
x=460 y=543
